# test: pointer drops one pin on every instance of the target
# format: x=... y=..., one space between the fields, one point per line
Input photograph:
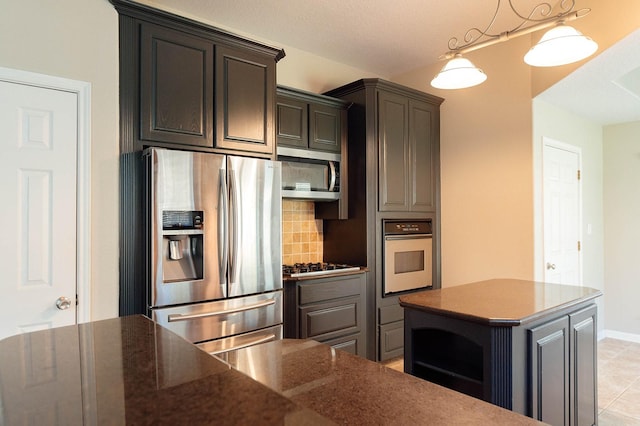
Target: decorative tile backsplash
x=301 y=233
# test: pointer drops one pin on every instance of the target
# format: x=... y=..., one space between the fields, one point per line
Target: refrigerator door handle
x=186 y=317
x=223 y=223
x=233 y=229
x=257 y=341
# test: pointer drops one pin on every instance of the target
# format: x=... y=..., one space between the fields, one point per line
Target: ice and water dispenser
x=182 y=245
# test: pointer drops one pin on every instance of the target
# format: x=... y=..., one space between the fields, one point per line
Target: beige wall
x=486 y=168
x=622 y=227
x=552 y=122
x=78 y=39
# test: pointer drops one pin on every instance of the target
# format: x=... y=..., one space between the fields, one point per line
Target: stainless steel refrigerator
x=214 y=247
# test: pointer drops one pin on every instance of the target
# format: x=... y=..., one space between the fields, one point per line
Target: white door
x=562 y=213
x=38 y=146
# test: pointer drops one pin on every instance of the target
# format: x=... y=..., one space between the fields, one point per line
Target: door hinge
x=579 y=246
x=578 y=174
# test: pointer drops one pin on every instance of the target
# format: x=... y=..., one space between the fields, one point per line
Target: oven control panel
x=403 y=228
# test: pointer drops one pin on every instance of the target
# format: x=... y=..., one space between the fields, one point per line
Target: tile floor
x=618 y=382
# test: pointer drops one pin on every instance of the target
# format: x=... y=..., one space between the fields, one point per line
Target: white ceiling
x=389 y=38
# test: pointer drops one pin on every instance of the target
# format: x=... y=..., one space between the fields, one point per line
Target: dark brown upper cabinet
x=407 y=131
x=187 y=85
x=245 y=98
x=176 y=87
x=309 y=121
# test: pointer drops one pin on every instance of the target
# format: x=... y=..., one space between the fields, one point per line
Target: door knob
x=63 y=303
x=551 y=265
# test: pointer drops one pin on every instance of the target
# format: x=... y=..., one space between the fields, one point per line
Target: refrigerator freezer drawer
x=223 y=347
x=200 y=322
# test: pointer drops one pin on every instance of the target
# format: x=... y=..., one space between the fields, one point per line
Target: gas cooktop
x=317 y=268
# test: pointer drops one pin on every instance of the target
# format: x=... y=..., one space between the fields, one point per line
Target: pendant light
x=560 y=45
x=458 y=73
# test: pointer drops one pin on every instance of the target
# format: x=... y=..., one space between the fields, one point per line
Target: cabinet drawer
x=328 y=289
x=391 y=313
x=329 y=319
x=353 y=343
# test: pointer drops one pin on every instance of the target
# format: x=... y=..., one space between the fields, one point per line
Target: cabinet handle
x=551 y=265
x=259 y=340
x=407 y=237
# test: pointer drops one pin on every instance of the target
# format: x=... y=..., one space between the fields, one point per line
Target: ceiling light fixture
x=560 y=45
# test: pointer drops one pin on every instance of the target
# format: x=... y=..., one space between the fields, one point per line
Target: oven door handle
x=186 y=317
x=257 y=341
x=407 y=237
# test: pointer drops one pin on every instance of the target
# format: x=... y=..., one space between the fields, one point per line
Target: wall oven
x=407 y=256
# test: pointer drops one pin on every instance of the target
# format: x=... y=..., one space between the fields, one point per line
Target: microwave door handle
x=223 y=224
x=332 y=175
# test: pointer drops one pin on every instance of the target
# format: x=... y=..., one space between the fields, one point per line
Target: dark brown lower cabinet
x=549 y=371
x=545 y=369
x=390 y=330
x=329 y=310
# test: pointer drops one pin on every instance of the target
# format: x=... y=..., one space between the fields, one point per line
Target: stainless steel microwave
x=309 y=175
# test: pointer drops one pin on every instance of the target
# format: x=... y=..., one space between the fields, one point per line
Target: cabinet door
x=324 y=128
x=421 y=154
x=176 y=93
x=391 y=340
x=583 y=367
x=393 y=166
x=291 y=123
x=549 y=372
x=245 y=100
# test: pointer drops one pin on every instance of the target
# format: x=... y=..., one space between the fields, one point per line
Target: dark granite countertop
x=351 y=390
x=499 y=302
x=132 y=371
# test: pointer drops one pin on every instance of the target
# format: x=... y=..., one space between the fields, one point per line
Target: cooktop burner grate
x=316 y=268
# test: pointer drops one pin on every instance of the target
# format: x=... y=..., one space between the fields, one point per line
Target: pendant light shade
x=458 y=73
x=559 y=46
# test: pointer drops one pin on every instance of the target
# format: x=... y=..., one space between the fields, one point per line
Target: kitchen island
x=523 y=345
x=130 y=370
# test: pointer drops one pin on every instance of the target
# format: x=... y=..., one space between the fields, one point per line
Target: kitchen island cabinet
x=130 y=370
x=523 y=345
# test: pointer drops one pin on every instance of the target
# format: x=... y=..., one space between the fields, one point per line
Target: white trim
x=629 y=337
x=82 y=90
x=546 y=141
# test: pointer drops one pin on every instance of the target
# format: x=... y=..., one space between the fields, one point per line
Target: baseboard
x=629 y=337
